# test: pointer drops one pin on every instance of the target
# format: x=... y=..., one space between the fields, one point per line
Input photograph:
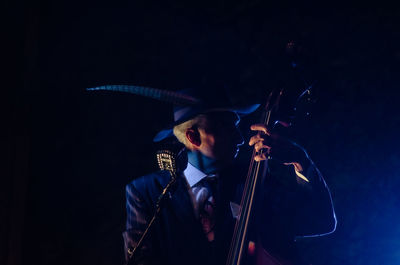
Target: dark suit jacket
x=288 y=208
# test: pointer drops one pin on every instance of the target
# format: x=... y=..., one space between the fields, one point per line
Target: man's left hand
x=279 y=148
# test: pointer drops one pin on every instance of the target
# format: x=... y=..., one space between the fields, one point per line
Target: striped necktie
x=206 y=195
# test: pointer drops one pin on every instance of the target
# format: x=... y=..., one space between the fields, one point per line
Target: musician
x=196 y=222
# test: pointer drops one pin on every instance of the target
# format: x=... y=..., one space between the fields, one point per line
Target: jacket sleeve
x=314 y=211
x=139 y=214
x=297 y=201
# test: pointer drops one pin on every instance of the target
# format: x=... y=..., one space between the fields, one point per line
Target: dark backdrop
x=68 y=153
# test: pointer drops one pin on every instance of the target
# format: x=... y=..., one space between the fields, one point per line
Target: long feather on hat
x=162 y=95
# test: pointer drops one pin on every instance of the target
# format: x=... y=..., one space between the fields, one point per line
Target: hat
x=187 y=103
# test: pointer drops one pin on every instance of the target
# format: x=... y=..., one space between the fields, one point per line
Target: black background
x=69 y=153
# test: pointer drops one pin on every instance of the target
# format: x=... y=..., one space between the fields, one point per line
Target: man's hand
x=277 y=147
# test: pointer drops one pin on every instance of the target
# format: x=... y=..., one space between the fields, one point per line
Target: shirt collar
x=193 y=175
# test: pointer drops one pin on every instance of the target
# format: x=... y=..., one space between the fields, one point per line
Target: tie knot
x=212 y=181
x=212 y=178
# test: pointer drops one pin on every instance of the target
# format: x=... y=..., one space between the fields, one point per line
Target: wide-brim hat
x=187 y=103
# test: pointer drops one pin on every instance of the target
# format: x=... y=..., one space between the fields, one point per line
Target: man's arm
x=311 y=202
x=314 y=211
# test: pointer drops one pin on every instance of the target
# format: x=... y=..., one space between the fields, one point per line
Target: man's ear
x=193 y=136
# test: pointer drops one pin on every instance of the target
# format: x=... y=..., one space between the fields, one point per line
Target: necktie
x=207 y=207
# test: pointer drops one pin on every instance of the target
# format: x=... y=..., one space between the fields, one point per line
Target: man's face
x=221 y=138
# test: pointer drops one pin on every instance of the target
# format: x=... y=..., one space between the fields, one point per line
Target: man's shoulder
x=149 y=180
x=149 y=185
x=147 y=189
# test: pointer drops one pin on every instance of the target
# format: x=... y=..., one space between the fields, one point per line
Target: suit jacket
x=287 y=208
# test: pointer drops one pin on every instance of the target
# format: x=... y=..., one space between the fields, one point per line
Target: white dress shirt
x=197 y=188
x=193 y=177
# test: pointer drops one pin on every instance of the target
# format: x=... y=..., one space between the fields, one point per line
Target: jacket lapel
x=181 y=203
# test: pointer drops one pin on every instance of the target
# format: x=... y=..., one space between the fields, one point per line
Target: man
x=196 y=223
